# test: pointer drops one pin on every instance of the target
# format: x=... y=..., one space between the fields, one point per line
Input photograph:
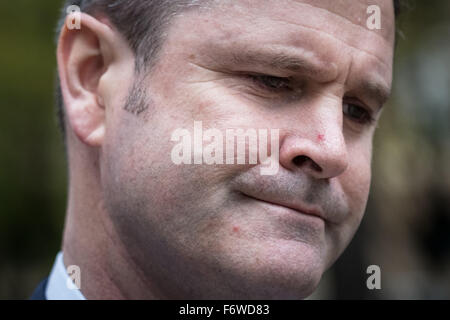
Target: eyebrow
x=284 y=61
x=299 y=62
x=375 y=90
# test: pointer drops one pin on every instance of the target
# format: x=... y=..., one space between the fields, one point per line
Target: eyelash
x=266 y=82
x=367 y=117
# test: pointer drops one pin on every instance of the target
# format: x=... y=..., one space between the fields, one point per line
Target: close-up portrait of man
x=224 y=150
x=139 y=226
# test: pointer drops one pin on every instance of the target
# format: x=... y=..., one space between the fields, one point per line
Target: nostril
x=301 y=160
x=316 y=166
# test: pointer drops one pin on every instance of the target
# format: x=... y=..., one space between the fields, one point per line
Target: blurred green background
x=406 y=230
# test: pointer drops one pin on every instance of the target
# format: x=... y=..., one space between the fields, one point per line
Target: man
x=141 y=225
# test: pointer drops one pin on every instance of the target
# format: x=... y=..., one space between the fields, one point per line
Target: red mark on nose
x=235 y=229
x=321 y=137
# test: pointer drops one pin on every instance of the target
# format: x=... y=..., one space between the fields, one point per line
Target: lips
x=299 y=207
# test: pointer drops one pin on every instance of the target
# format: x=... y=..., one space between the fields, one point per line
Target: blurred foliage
x=32 y=174
x=406 y=230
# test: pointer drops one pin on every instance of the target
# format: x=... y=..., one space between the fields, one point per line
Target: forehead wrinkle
x=307 y=23
x=327 y=34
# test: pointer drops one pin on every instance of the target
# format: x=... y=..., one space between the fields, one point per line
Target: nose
x=318 y=148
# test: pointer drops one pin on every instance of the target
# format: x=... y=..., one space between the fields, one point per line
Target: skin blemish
x=235 y=229
x=321 y=137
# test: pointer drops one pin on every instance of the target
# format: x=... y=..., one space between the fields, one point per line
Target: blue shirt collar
x=60 y=286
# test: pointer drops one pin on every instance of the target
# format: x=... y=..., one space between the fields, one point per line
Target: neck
x=90 y=240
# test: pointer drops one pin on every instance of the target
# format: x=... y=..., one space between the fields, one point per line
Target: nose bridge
x=328 y=119
x=317 y=142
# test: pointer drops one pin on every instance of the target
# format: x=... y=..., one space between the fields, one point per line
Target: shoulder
x=39 y=292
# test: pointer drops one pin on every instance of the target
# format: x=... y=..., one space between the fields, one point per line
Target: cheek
x=142 y=179
x=356 y=182
x=357 y=178
x=357 y=187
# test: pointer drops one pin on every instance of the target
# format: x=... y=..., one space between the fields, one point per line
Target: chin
x=276 y=287
x=276 y=271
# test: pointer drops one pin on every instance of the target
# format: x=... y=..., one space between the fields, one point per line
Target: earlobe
x=84 y=56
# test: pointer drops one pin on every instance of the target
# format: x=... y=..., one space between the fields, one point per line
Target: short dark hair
x=142 y=23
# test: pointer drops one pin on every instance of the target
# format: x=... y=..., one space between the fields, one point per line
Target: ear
x=84 y=56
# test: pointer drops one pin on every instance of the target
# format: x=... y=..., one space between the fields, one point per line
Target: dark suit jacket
x=39 y=292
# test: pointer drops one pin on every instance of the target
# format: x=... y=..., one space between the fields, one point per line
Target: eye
x=357 y=113
x=272 y=83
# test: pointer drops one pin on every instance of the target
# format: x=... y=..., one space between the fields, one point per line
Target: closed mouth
x=300 y=209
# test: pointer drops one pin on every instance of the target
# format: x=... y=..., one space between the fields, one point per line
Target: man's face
x=311 y=69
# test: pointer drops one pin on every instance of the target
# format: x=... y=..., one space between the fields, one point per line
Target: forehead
x=332 y=32
x=346 y=13
x=354 y=12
